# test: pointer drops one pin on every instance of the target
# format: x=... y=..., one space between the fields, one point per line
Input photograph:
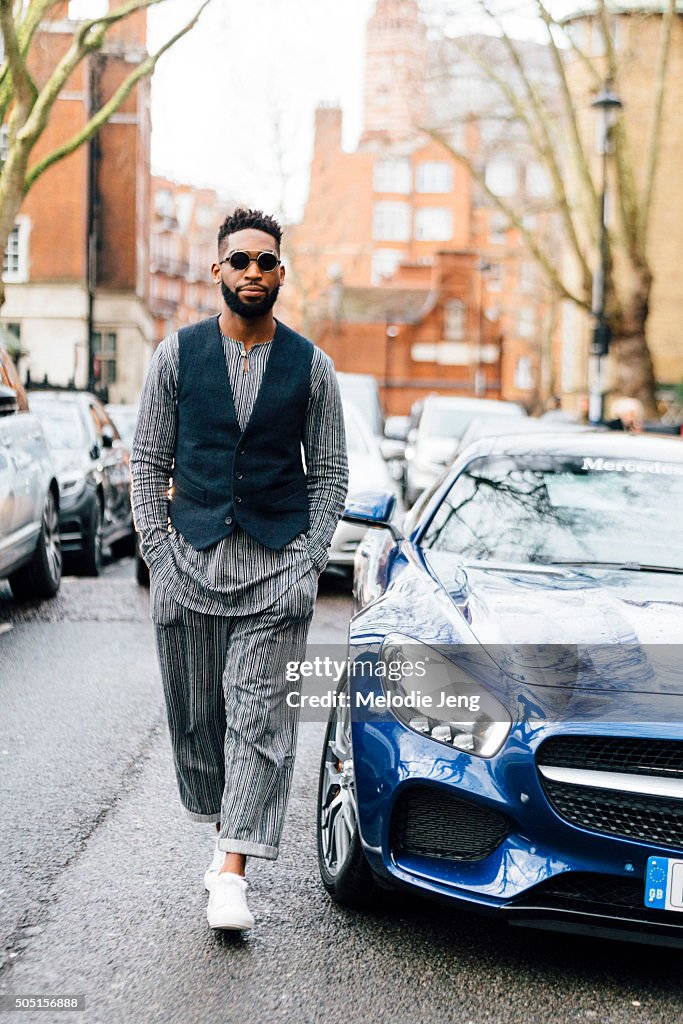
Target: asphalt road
x=101 y=888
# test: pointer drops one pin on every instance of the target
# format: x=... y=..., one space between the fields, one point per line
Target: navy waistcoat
x=224 y=476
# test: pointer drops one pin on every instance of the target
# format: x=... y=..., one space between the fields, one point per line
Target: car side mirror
x=107 y=437
x=373 y=509
x=8 y=401
x=392 y=449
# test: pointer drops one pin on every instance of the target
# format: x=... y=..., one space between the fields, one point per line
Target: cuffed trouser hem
x=193 y=816
x=250 y=849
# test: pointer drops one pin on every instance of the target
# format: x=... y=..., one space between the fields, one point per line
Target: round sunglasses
x=240 y=260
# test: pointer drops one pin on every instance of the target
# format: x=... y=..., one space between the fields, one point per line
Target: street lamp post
x=390 y=332
x=483 y=266
x=609 y=103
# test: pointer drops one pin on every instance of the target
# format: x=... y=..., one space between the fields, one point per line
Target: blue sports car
x=508 y=733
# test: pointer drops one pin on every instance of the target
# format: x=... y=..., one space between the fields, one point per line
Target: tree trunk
x=633 y=371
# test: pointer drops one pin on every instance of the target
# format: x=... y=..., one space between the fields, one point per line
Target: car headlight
x=433 y=695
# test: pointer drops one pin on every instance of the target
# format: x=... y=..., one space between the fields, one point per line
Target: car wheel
x=125 y=546
x=344 y=870
x=43 y=575
x=89 y=562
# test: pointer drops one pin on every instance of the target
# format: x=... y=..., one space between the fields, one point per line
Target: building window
x=498 y=229
x=391 y=222
x=434 y=224
x=434 y=176
x=104 y=349
x=524 y=378
x=454 y=313
x=4 y=144
x=527 y=276
x=15 y=258
x=537 y=181
x=501 y=177
x=494 y=277
x=526 y=322
x=163 y=203
x=80 y=10
x=392 y=176
x=384 y=263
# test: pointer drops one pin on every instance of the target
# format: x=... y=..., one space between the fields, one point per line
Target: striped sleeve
x=326 y=461
x=153 y=450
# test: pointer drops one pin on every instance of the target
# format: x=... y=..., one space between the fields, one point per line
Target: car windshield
x=63 y=424
x=544 y=509
x=442 y=420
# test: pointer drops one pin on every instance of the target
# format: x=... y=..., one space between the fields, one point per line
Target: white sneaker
x=228 y=903
x=211 y=873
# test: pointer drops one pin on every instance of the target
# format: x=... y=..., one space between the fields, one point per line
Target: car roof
x=63 y=396
x=483 y=404
x=608 y=444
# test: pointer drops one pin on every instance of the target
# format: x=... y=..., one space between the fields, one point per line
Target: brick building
x=403 y=206
x=76 y=268
x=185 y=222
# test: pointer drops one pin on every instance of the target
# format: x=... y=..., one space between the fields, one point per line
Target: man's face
x=251 y=292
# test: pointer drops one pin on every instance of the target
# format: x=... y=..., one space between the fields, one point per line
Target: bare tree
x=547 y=113
x=26 y=104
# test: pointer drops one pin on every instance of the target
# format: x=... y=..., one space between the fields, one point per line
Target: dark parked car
x=94 y=478
x=30 y=551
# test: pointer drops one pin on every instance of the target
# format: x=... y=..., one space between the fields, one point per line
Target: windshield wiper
x=625 y=566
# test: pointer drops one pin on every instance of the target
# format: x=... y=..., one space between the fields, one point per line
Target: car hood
x=70 y=463
x=620 y=629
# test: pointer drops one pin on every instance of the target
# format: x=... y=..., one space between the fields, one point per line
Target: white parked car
x=433 y=444
x=367 y=472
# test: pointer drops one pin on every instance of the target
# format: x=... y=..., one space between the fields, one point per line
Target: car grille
x=431 y=823
x=594 y=893
x=644 y=817
x=615 y=754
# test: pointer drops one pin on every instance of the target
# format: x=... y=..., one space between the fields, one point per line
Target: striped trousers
x=233 y=733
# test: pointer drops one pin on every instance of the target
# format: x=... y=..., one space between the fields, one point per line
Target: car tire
x=43 y=574
x=89 y=561
x=125 y=547
x=344 y=870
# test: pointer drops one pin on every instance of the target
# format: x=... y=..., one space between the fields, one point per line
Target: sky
x=233 y=102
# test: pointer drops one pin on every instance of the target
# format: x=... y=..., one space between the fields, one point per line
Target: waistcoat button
x=237 y=499
x=238 y=476
x=228 y=520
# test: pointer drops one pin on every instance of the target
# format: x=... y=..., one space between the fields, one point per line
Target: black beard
x=252 y=309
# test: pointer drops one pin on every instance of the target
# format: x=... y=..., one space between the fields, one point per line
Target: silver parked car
x=443 y=421
x=367 y=471
x=30 y=549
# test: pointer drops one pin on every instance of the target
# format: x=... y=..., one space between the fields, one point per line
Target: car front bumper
x=482 y=833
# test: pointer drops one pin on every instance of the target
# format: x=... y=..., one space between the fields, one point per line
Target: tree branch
x=542 y=258
x=143 y=70
x=657 y=120
x=23 y=85
x=35 y=13
x=546 y=150
x=570 y=110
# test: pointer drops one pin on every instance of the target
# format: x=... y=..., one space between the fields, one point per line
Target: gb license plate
x=664 y=884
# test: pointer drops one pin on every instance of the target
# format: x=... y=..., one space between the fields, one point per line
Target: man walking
x=235 y=554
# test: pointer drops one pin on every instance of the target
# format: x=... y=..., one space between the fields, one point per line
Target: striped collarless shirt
x=238 y=575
